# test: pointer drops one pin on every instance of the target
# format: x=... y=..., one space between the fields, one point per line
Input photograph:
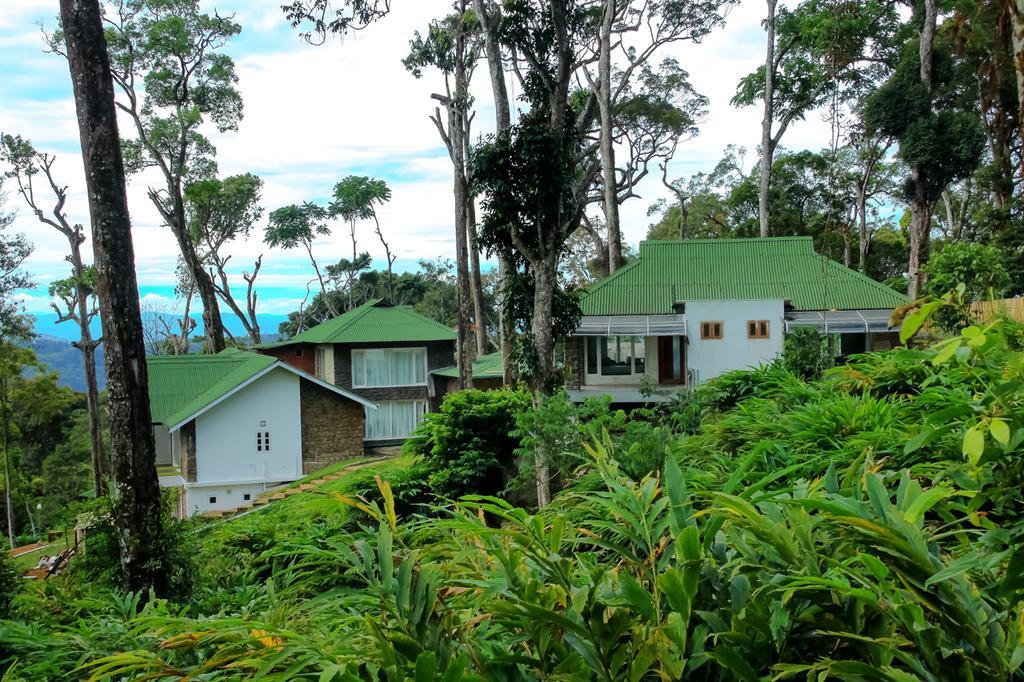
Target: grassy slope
x=285 y=519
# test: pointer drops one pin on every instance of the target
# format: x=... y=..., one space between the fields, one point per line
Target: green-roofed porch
x=667 y=273
x=683 y=312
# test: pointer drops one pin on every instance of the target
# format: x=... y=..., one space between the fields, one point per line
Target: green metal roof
x=785 y=268
x=374 y=322
x=487 y=366
x=181 y=385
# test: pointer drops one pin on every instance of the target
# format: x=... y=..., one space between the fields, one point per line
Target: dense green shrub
x=469 y=445
x=980 y=268
x=10 y=583
x=806 y=353
x=862 y=527
x=99 y=564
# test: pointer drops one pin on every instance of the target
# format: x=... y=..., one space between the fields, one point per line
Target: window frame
x=708 y=328
x=362 y=382
x=635 y=340
x=320 y=364
x=754 y=328
x=418 y=415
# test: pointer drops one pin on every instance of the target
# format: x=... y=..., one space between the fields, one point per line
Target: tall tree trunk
x=767 y=141
x=544 y=280
x=503 y=122
x=87 y=346
x=476 y=279
x=213 y=326
x=607 y=138
x=1016 y=11
x=136 y=495
x=921 y=207
x=457 y=132
x=863 y=238
x=8 y=505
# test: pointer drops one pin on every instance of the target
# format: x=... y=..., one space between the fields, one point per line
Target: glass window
x=389 y=367
x=639 y=355
x=591 y=355
x=358 y=368
x=321 y=364
x=616 y=356
x=395 y=419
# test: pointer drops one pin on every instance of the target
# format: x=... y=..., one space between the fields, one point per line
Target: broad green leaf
x=945 y=351
x=1000 y=431
x=925 y=501
x=426 y=667
x=974 y=444
x=913 y=322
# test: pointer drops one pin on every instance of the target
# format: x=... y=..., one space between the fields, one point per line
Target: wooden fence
x=1011 y=307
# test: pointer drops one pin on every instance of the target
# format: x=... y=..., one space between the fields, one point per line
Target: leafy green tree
x=940 y=141
x=299 y=225
x=220 y=212
x=14 y=362
x=175 y=81
x=812 y=51
x=979 y=268
x=357 y=198
x=77 y=293
x=451 y=45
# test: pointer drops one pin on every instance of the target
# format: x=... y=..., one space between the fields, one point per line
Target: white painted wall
x=734 y=350
x=226 y=435
x=232 y=496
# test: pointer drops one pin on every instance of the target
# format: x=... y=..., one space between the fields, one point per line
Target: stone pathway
x=272 y=496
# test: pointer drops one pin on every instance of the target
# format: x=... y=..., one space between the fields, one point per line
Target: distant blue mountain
x=65 y=360
x=46 y=325
x=53 y=345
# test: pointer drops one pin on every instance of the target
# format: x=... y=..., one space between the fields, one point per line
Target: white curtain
x=396 y=419
x=389 y=367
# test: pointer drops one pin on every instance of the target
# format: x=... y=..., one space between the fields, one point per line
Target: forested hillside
x=826 y=515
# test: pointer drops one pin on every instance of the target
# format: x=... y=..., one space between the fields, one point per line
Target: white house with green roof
x=228 y=426
x=683 y=312
x=384 y=353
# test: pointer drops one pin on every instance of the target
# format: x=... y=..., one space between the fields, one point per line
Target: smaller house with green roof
x=384 y=353
x=683 y=312
x=231 y=425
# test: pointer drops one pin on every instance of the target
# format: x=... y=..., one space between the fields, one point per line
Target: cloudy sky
x=316 y=114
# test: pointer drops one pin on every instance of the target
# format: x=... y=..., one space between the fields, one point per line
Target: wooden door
x=672 y=360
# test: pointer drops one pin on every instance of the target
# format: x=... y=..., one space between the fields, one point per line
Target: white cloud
x=316 y=114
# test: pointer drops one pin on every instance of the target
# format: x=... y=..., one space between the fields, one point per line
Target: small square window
x=246 y=497
x=711 y=330
x=758 y=329
x=213 y=500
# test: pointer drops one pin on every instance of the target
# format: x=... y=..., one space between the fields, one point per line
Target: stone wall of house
x=332 y=427
x=439 y=354
x=188 y=451
x=574 y=362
